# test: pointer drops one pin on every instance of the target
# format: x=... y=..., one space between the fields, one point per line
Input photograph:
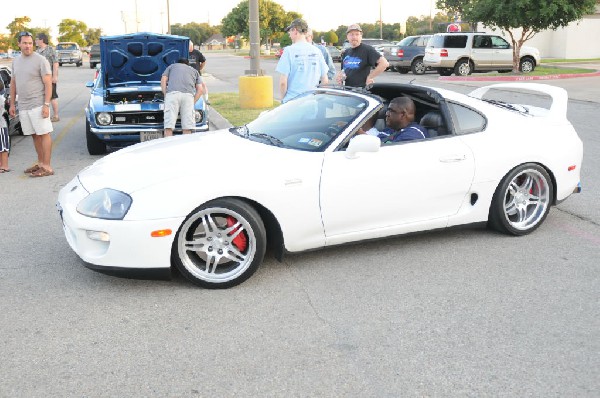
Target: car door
x=482 y=52
x=503 y=54
x=378 y=193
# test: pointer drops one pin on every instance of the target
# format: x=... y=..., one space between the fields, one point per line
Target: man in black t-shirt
x=197 y=59
x=358 y=60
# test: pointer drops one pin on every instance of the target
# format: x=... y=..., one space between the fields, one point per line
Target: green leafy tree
x=197 y=32
x=92 y=36
x=272 y=20
x=72 y=30
x=531 y=16
x=331 y=37
x=19 y=24
x=426 y=24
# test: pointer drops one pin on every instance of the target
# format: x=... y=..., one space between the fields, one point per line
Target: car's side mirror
x=362 y=143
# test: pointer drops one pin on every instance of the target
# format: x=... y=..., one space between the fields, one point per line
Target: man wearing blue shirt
x=400 y=123
x=301 y=65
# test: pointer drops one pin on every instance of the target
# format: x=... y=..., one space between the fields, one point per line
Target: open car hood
x=139 y=58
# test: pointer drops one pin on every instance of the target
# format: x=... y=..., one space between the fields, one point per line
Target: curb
x=216 y=120
x=517 y=78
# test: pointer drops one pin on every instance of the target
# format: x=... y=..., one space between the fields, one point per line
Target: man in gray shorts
x=32 y=81
x=182 y=87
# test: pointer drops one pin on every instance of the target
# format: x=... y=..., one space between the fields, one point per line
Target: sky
x=117 y=16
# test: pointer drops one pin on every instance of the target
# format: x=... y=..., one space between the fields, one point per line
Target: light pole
x=380 y=22
x=168 y=18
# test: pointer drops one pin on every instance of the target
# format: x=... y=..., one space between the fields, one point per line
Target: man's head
x=191 y=47
x=354 y=35
x=41 y=40
x=298 y=28
x=183 y=61
x=25 y=43
x=400 y=113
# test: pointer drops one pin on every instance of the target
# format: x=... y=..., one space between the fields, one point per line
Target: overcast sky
x=114 y=16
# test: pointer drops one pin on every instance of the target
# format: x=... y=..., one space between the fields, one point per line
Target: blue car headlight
x=106 y=203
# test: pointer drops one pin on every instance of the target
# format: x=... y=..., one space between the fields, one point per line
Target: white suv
x=466 y=52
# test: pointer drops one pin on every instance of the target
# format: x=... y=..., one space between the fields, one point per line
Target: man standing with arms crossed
x=358 y=60
x=32 y=81
x=41 y=42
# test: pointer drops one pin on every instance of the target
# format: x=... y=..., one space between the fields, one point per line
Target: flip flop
x=55 y=119
x=42 y=172
x=32 y=169
x=2 y=170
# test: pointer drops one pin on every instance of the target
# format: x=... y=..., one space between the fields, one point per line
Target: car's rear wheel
x=464 y=67
x=527 y=65
x=418 y=66
x=220 y=244
x=94 y=145
x=522 y=200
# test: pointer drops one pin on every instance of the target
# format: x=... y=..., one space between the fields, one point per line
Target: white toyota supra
x=299 y=177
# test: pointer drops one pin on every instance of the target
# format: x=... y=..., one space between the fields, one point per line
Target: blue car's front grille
x=138 y=118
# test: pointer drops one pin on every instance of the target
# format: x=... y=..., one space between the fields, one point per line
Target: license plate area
x=150 y=135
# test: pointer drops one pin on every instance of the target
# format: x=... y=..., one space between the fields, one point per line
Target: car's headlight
x=105 y=203
x=103 y=118
x=199 y=116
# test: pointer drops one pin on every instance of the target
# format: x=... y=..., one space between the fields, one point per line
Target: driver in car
x=400 y=122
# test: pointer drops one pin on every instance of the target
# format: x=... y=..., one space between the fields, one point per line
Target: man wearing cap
x=301 y=65
x=358 y=60
x=41 y=42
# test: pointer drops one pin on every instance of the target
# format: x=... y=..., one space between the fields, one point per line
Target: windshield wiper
x=273 y=140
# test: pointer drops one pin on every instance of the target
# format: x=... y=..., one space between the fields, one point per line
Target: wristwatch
x=47 y=104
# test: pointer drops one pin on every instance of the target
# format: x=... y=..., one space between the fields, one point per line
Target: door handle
x=453 y=158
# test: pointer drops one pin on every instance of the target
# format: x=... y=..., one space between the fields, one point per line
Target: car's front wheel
x=522 y=200
x=464 y=67
x=527 y=65
x=418 y=66
x=220 y=244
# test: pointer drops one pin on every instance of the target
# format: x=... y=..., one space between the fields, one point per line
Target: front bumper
x=129 y=244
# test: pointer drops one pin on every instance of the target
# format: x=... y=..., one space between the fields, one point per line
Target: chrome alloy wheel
x=216 y=245
x=526 y=199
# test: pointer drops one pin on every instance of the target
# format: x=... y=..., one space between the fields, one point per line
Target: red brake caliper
x=240 y=241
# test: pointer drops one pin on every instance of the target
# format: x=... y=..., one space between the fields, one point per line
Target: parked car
x=94 y=55
x=336 y=53
x=13 y=123
x=468 y=52
x=299 y=177
x=375 y=43
x=407 y=55
x=279 y=52
x=126 y=102
x=69 y=53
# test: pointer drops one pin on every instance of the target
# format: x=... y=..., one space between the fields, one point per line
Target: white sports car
x=300 y=177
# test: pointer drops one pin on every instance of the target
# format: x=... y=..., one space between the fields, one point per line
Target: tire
x=522 y=200
x=444 y=72
x=527 y=64
x=94 y=145
x=464 y=67
x=60 y=64
x=205 y=249
x=79 y=64
x=418 y=66
x=403 y=71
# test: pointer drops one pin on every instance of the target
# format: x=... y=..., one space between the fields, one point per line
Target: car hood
x=213 y=155
x=139 y=57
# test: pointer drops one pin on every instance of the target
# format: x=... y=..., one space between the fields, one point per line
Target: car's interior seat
x=434 y=123
x=380 y=122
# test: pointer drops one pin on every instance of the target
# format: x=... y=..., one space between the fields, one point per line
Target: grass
x=562 y=60
x=228 y=105
x=543 y=71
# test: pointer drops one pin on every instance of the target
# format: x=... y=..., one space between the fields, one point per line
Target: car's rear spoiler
x=559 y=95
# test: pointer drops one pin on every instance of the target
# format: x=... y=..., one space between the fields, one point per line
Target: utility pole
x=380 y=22
x=168 y=18
x=254 y=41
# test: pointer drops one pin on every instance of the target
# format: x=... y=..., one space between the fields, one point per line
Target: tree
x=273 y=19
x=531 y=16
x=331 y=37
x=19 y=24
x=72 y=30
x=197 y=32
x=93 y=36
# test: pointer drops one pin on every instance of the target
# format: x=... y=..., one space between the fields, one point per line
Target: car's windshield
x=66 y=47
x=308 y=123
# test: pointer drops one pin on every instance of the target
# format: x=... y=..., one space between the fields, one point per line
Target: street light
x=168 y=18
